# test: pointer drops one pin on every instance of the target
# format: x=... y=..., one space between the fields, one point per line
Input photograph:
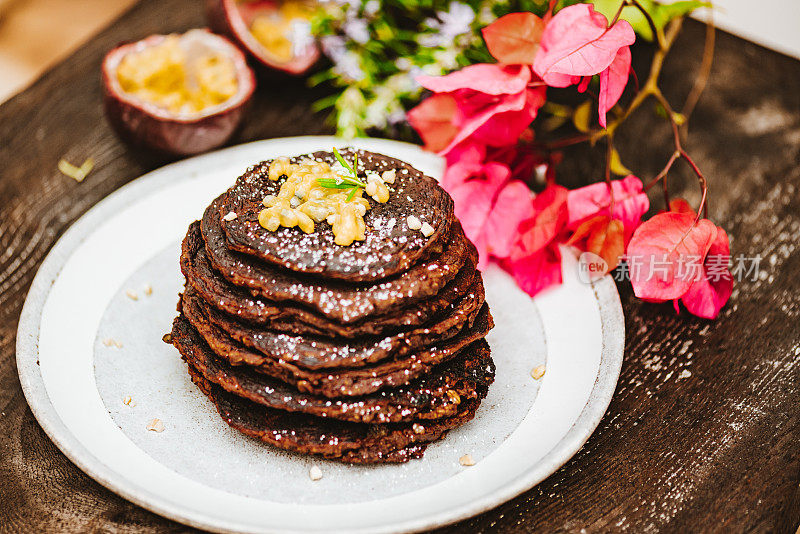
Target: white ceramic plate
x=202 y=473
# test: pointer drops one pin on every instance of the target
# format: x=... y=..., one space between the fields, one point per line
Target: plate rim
x=612 y=336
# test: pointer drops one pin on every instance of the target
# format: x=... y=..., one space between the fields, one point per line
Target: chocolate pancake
x=433 y=397
x=338 y=382
x=335 y=440
x=286 y=317
x=390 y=247
x=315 y=352
x=341 y=302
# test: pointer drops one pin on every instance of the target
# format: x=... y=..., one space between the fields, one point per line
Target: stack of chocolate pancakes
x=363 y=353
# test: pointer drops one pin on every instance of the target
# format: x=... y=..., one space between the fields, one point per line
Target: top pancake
x=335 y=299
x=390 y=246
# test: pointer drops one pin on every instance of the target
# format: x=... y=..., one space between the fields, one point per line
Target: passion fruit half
x=178 y=94
x=277 y=33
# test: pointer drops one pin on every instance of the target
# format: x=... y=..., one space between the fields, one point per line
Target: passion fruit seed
x=285 y=31
x=166 y=76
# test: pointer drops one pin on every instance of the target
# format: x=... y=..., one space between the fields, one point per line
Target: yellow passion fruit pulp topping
x=165 y=75
x=278 y=31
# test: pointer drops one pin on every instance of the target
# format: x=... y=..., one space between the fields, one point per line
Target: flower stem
x=705 y=70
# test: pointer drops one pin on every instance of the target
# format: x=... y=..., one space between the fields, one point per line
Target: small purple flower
x=356 y=29
x=457 y=20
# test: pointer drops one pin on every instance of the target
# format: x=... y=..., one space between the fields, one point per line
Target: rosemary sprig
x=351 y=182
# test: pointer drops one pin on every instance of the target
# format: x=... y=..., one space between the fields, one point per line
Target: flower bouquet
x=474 y=80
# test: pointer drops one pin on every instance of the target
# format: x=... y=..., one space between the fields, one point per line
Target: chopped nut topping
x=413 y=222
x=453 y=396
x=427 y=230
x=315 y=473
x=148 y=289
x=156 y=425
x=111 y=342
x=466 y=460
x=229 y=216
x=303 y=202
x=538 y=372
x=389 y=176
x=279 y=168
x=417 y=428
x=76 y=173
x=131 y=294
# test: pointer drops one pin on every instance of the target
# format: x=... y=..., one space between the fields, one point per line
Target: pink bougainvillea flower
x=433 y=119
x=548 y=219
x=613 y=81
x=577 y=42
x=486 y=78
x=603 y=236
x=535 y=260
x=491 y=206
x=464 y=161
x=666 y=253
x=680 y=205
x=537 y=271
x=514 y=38
x=707 y=295
x=494 y=103
x=630 y=203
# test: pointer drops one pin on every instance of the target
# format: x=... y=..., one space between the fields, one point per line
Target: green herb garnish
x=351 y=182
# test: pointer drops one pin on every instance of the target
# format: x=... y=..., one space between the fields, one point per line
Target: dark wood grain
x=702 y=434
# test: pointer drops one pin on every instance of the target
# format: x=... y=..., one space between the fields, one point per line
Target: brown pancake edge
x=335 y=440
x=341 y=381
x=318 y=352
x=288 y=317
x=336 y=300
x=434 y=396
x=390 y=247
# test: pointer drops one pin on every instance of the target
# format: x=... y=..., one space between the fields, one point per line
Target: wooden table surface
x=702 y=433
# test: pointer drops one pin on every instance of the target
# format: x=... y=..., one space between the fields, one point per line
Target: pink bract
x=488 y=78
x=495 y=103
x=612 y=82
x=630 y=203
x=536 y=271
x=706 y=297
x=666 y=253
x=577 y=42
x=549 y=218
x=491 y=207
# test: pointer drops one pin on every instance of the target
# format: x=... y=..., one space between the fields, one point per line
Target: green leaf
x=342 y=161
x=616 y=165
x=352 y=194
x=660 y=13
x=582 y=115
x=330 y=183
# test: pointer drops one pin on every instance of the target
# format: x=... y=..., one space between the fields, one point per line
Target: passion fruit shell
x=144 y=123
x=233 y=19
